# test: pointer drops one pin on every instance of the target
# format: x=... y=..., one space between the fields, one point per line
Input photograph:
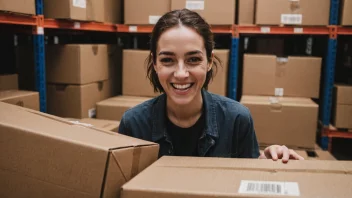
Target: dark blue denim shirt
x=228 y=130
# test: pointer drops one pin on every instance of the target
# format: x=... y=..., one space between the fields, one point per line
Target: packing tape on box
x=294 y=5
x=135 y=163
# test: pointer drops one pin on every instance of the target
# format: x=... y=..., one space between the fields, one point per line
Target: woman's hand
x=276 y=152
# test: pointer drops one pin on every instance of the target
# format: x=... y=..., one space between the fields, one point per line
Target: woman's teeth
x=183 y=86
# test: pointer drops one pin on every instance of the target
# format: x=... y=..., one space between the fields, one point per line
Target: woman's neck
x=185 y=115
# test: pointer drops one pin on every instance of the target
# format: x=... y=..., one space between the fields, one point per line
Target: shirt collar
x=158 y=117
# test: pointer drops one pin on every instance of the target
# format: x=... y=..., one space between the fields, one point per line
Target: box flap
x=59 y=128
x=5 y=95
x=284 y=101
x=125 y=101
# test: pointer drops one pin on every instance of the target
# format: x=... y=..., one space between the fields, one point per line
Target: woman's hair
x=189 y=19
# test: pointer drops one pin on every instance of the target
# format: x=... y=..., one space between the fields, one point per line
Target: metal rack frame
x=39 y=24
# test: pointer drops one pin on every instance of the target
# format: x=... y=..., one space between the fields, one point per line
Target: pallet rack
x=39 y=24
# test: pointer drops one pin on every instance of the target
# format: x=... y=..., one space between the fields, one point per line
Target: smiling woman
x=187 y=120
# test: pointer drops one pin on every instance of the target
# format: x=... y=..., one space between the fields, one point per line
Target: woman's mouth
x=181 y=87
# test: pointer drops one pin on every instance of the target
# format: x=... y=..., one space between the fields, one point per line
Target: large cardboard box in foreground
x=302 y=12
x=27 y=99
x=8 y=81
x=18 y=6
x=292 y=76
x=114 y=108
x=213 y=11
x=173 y=177
x=139 y=12
x=47 y=156
x=134 y=74
x=346 y=15
x=284 y=121
x=77 y=64
x=84 y=10
x=76 y=101
x=108 y=125
x=342 y=113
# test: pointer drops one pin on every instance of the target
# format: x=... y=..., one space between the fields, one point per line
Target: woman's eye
x=166 y=60
x=194 y=60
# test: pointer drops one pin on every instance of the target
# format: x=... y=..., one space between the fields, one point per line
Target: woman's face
x=181 y=64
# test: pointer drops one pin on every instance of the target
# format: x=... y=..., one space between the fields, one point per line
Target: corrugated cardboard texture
x=215 y=12
x=173 y=177
x=64 y=9
x=8 y=82
x=299 y=76
x=18 y=6
x=276 y=123
x=27 y=99
x=219 y=83
x=140 y=14
x=76 y=101
x=346 y=16
x=134 y=74
x=342 y=116
x=268 y=12
x=318 y=155
x=77 y=64
x=46 y=156
x=114 y=108
x=246 y=12
x=107 y=125
x=113 y=11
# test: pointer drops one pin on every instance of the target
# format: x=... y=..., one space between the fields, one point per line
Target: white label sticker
x=40 y=30
x=282 y=60
x=291 y=19
x=269 y=188
x=195 y=5
x=92 y=113
x=153 y=19
x=298 y=30
x=77 y=25
x=279 y=91
x=132 y=29
x=265 y=29
x=80 y=3
x=56 y=40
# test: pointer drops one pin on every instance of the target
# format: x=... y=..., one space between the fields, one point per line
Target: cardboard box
x=27 y=99
x=346 y=15
x=292 y=76
x=245 y=178
x=219 y=84
x=213 y=11
x=313 y=154
x=342 y=116
x=8 y=81
x=114 y=108
x=147 y=12
x=302 y=12
x=284 y=121
x=76 y=101
x=107 y=125
x=77 y=64
x=134 y=74
x=18 y=6
x=47 y=156
x=246 y=9
x=113 y=11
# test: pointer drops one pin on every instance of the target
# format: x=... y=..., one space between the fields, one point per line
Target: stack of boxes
x=18 y=6
x=342 y=107
x=277 y=91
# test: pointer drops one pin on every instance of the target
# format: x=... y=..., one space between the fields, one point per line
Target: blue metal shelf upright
x=39 y=55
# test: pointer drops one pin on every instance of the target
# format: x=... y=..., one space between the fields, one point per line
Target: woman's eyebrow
x=166 y=53
x=193 y=52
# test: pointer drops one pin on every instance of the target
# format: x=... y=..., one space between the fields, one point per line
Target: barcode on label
x=269 y=188
x=291 y=19
x=80 y=3
x=195 y=5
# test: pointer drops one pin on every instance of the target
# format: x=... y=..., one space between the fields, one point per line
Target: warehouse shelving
x=39 y=24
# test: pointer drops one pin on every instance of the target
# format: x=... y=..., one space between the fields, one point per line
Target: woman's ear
x=210 y=64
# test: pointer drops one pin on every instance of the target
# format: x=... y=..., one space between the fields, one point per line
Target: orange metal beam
x=344 y=31
x=7 y=18
x=88 y=26
x=287 y=30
